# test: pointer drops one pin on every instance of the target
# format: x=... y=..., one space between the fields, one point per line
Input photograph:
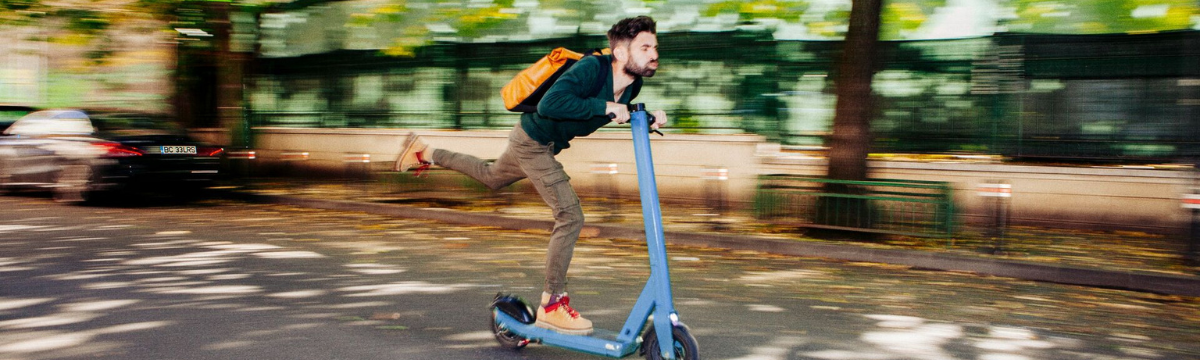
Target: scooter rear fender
x=514 y=307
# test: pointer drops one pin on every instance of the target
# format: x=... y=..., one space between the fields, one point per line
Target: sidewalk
x=1125 y=260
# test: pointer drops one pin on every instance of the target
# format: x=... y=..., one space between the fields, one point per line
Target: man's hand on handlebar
x=618 y=112
x=660 y=119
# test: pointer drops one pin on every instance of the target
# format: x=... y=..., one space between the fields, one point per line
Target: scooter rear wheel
x=685 y=344
x=505 y=337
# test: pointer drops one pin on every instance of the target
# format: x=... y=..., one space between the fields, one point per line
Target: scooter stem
x=652 y=214
x=648 y=187
x=660 y=279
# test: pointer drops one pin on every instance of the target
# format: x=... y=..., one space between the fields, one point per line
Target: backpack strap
x=605 y=69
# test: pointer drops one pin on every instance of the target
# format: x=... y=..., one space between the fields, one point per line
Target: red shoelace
x=424 y=164
x=565 y=303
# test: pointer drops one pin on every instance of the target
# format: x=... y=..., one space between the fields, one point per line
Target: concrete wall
x=1066 y=196
x=1083 y=197
x=1098 y=198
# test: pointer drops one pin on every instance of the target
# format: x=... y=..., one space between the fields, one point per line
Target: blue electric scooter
x=665 y=338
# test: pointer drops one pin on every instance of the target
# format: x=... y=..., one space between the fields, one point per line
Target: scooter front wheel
x=684 y=344
x=505 y=337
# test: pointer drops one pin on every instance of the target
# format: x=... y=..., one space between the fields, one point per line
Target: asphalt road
x=228 y=280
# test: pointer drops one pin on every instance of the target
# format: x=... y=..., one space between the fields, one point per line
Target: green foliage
x=161 y=9
x=759 y=9
x=688 y=124
x=18 y=5
x=85 y=24
x=84 y=21
x=473 y=22
x=1102 y=16
x=98 y=56
x=465 y=20
x=21 y=12
x=902 y=16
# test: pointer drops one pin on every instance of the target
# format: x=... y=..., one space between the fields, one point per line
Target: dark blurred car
x=80 y=156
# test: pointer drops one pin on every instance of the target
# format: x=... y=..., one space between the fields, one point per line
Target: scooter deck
x=603 y=334
x=600 y=342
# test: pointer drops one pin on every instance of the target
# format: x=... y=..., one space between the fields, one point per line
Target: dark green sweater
x=568 y=110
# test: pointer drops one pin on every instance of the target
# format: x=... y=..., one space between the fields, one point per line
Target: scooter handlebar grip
x=639 y=107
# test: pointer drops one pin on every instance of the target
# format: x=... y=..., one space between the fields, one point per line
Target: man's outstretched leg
x=415 y=154
x=525 y=156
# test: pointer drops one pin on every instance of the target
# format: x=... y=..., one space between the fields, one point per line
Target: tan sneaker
x=412 y=154
x=560 y=317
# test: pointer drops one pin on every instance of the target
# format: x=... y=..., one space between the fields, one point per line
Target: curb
x=1126 y=280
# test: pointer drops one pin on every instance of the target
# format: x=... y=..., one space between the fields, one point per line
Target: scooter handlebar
x=635 y=108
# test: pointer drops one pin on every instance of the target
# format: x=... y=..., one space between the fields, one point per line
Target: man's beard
x=643 y=71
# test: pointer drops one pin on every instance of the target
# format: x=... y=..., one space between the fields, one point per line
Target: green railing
x=902 y=207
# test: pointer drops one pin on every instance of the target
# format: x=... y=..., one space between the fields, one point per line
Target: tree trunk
x=851 y=138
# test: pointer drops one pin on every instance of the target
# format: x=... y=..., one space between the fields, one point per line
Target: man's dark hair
x=625 y=30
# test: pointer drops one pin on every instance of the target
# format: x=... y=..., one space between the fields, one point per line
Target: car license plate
x=189 y=150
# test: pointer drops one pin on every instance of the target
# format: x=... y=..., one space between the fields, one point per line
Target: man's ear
x=620 y=53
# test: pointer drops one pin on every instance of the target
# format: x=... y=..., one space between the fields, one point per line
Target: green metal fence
x=903 y=207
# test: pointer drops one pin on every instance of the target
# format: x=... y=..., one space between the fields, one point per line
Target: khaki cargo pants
x=526 y=158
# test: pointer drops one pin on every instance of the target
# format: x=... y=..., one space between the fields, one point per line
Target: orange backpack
x=525 y=90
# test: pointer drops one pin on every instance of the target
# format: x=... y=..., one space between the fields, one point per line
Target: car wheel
x=73 y=183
